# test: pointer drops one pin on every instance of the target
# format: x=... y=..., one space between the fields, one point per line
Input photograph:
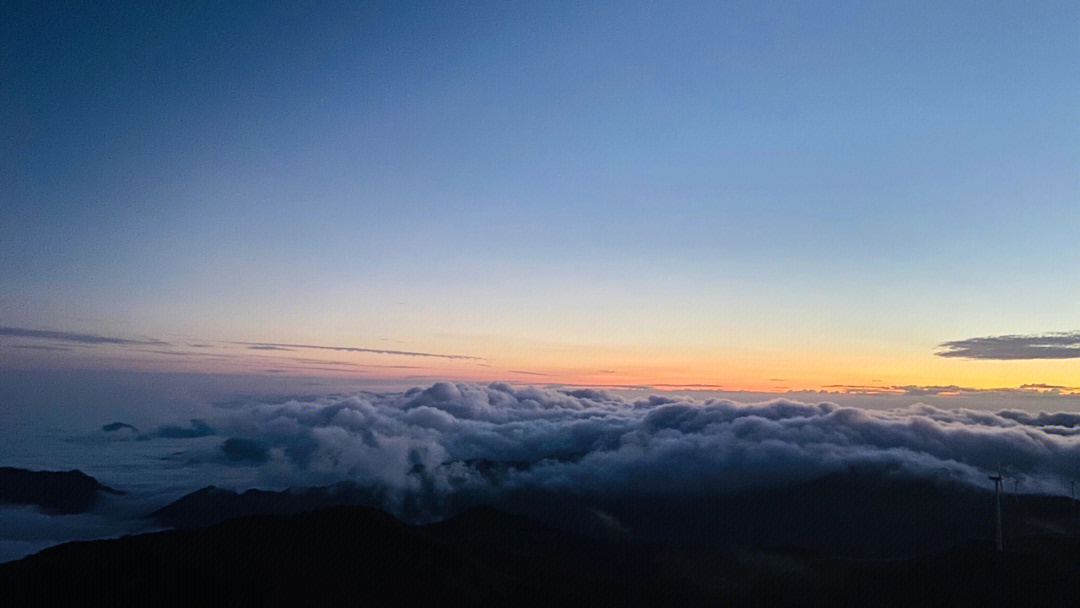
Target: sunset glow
x=771 y=199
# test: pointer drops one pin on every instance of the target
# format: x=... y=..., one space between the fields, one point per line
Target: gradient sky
x=751 y=195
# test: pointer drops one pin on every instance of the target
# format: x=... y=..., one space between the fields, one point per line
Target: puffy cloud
x=119 y=430
x=238 y=449
x=431 y=447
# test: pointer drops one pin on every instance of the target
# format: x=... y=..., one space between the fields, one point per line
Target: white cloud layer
x=428 y=452
x=427 y=448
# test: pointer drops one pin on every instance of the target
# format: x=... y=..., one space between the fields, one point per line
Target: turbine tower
x=997 y=507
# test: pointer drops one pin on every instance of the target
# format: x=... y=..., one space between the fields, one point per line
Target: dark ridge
x=854 y=514
x=53 y=491
x=484 y=557
x=212 y=505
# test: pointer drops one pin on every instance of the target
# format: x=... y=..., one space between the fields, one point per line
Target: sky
x=760 y=196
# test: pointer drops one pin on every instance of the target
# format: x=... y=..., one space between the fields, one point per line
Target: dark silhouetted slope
x=342 y=554
x=855 y=514
x=362 y=556
x=213 y=505
x=53 y=491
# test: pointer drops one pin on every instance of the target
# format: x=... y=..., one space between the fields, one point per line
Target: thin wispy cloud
x=318 y=368
x=358 y=349
x=79 y=338
x=59 y=337
x=325 y=362
x=1056 y=345
x=1048 y=387
x=915 y=390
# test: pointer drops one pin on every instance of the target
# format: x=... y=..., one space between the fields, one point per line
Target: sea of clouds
x=425 y=446
x=429 y=451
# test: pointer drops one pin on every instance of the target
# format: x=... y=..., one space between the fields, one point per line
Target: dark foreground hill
x=484 y=557
x=853 y=514
x=212 y=505
x=53 y=491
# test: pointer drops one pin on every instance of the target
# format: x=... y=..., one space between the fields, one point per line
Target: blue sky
x=717 y=192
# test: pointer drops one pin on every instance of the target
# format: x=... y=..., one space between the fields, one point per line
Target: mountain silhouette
x=487 y=557
x=855 y=514
x=212 y=505
x=54 y=491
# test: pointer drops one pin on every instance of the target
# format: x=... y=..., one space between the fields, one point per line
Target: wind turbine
x=997 y=507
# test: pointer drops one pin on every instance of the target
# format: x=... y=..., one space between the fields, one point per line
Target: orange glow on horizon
x=739 y=369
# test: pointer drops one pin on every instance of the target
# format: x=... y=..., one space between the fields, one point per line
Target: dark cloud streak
x=67 y=336
x=65 y=340
x=1057 y=345
x=914 y=390
x=358 y=349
